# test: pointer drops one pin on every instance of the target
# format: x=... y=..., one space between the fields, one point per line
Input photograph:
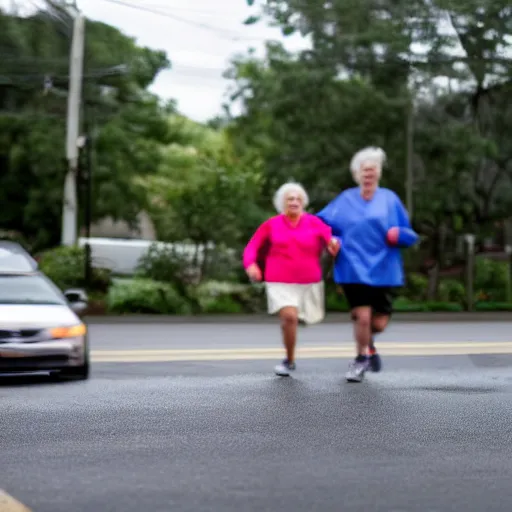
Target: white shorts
x=309 y=299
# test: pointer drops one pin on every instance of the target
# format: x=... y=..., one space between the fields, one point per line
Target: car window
x=33 y=289
x=15 y=259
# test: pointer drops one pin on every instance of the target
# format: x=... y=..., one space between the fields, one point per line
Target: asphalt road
x=432 y=433
x=134 y=336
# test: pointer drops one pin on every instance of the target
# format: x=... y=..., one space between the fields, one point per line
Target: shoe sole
x=355 y=380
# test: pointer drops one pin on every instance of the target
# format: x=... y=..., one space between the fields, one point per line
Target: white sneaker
x=356 y=371
x=284 y=369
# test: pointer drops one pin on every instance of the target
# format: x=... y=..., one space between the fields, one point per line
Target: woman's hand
x=333 y=247
x=254 y=272
x=393 y=235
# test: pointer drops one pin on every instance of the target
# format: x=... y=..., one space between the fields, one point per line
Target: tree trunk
x=433 y=273
x=433 y=282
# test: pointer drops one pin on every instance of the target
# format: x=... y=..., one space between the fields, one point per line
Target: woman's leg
x=363 y=334
x=382 y=306
x=362 y=329
x=359 y=299
x=289 y=324
x=379 y=324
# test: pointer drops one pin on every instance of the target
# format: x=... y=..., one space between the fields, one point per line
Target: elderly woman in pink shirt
x=293 y=273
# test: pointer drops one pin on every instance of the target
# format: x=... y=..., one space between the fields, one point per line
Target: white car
x=40 y=327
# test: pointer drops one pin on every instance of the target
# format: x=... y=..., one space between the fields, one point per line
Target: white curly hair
x=289 y=188
x=370 y=154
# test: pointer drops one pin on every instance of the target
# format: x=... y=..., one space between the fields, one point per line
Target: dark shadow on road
x=20 y=380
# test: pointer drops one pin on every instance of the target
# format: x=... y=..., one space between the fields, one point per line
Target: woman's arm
x=332 y=243
x=330 y=215
x=405 y=236
x=252 y=249
x=323 y=229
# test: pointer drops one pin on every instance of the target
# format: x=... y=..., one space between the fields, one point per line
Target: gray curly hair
x=370 y=154
x=285 y=190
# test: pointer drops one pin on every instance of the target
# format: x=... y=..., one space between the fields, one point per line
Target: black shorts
x=379 y=298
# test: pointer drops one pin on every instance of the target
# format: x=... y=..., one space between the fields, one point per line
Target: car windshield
x=29 y=289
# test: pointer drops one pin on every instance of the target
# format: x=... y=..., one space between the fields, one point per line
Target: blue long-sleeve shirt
x=365 y=256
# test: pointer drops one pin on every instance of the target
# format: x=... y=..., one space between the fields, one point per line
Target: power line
x=63 y=25
x=188 y=71
x=217 y=13
x=218 y=30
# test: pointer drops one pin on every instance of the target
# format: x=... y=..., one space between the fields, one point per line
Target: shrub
x=416 y=286
x=226 y=297
x=252 y=297
x=145 y=297
x=223 y=305
x=335 y=301
x=491 y=279
x=171 y=263
x=439 y=306
x=405 y=305
x=224 y=265
x=166 y=263
x=491 y=283
x=65 y=266
x=451 y=290
x=493 y=306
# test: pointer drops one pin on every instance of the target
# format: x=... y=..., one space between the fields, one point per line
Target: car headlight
x=73 y=331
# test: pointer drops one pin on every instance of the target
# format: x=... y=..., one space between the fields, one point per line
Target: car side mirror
x=77 y=300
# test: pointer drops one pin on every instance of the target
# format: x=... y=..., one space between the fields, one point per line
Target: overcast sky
x=199 y=39
x=199 y=36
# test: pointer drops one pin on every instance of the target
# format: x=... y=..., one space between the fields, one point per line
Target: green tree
x=306 y=122
x=374 y=62
x=129 y=123
x=204 y=193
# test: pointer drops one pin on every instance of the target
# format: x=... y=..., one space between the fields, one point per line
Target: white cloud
x=199 y=44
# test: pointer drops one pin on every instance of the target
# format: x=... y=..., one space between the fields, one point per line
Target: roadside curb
x=332 y=318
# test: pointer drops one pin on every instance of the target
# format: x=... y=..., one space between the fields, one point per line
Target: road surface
x=189 y=418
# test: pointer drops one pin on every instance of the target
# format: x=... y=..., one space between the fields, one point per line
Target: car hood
x=32 y=316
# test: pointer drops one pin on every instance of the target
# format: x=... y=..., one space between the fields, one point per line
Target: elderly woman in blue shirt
x=372 y=226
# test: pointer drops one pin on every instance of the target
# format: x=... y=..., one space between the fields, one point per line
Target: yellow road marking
x=10 y=504
x=308 y=352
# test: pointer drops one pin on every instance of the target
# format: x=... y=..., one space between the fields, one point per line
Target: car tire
x=76 y=372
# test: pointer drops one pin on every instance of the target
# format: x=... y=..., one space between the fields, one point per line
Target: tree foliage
x=371 y=62
x=127 y=123
x=305 y=121
x=376 y=70
x=203 y=192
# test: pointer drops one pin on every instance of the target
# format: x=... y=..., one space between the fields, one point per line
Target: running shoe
x=375 y=362
x=285 y=368
x=356 y=370
x=374 y=359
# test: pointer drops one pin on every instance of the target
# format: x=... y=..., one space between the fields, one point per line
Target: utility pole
x=470 y=270
x=70 y=206
x=409 y=185
x=89 y=129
